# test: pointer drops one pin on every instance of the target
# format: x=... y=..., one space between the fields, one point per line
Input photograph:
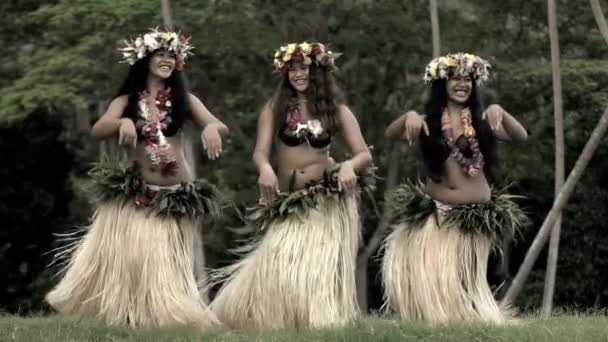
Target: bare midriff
x=306 y=163
x=457 y=188
x=151 y=173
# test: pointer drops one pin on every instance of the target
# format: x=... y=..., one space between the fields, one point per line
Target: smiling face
x=459 y=88
x=162 y=64
x=298 y=75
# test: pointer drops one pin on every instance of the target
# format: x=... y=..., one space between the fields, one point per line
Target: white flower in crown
x=291 y=48
x=443 y=73
x=151 y=43
x=306 y=48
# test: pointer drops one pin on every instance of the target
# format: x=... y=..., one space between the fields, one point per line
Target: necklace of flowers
x=157 y=147
x=299 y=129
x=471 y=166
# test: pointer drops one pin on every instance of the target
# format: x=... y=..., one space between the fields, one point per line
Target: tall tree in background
x=566 y=191
x=435 y=28
x=392 y=178
x=559 y=156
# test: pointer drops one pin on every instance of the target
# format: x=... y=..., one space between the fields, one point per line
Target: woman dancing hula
x=434 y=268
x=301 y=272
x=140 y=260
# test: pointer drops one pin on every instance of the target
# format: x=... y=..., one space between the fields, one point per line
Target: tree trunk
x=391 y=182
x=166 y=13
x=378 y=236
x=191 y=150
x=435 y=28
x=559 y=157
x=558 y=205
x=599 y=18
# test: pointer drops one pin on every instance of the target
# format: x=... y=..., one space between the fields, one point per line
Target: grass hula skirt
x=301 y=272
x=139 y=262
x=435 y=262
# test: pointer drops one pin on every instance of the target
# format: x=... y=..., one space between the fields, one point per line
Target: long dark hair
x=434 y=148
x=135 y=82
x=323 y=95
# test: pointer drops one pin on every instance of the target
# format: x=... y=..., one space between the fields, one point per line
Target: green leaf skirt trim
x=193 y=200
x=297 y=203
x=500 y=219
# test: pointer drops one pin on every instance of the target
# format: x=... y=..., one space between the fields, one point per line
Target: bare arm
x=353 y=137
x=263 y=143
x=396 y=129
x=204 y=118
x=267 y=181
x=507 y=128
x=407 y=127
x=513 y=128
x=110 y=121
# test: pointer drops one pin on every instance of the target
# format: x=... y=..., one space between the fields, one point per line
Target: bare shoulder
x=346 y=116
x=117 y=107
x=121 y=100
x=193 y=98
x=267 y=108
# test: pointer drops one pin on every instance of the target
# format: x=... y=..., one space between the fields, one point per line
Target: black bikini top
x=308 y=130
x=291 y=139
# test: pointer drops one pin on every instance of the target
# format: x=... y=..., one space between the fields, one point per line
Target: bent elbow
x=225 y=129
x=524 y=136
x=368 y=158
x=95 y=132
x=388 y=133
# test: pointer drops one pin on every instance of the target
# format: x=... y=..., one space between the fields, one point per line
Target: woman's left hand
x=212 y=141
x=494 y=114
x=347 y=179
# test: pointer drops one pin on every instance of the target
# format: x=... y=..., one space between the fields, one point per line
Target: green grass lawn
x=562 y=328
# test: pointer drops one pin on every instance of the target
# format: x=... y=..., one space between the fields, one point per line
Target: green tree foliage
x=34 y=204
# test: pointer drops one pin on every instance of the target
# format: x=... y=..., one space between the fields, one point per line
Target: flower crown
x=305 y=53
x=146 y=44
x=457 y=64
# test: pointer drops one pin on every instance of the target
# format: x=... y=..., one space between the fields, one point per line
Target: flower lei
x=294 y=123
x=305 y=53
x=471 y=166
x=157 y=147
x=457 y=64
x=143 y=45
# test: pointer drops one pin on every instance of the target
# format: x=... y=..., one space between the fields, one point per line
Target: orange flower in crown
x=154 y=40
x=305 y=53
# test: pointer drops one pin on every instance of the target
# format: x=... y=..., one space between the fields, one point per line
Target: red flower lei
x=158 y=149
x=471 y=166
x=294 y=117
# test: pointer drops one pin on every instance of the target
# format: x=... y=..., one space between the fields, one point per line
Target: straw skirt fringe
x=300 y=275
x=133 y=268
x=438 y=274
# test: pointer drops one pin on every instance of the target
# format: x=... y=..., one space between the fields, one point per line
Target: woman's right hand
x=414 y=122
x=268 y=183
x=127 y=135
